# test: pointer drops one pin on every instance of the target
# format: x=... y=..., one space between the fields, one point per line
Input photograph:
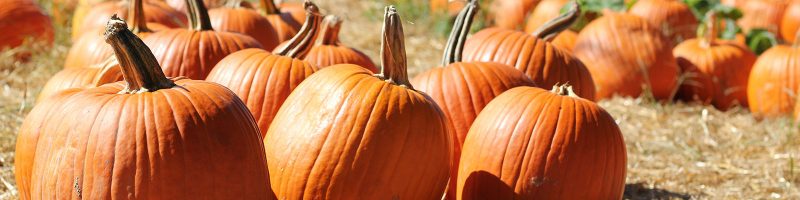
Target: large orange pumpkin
x=626 y=56
x=716 y=71
x=328 y=50
x=530 y=143
x=462 y=89
x=195 y=51
x=152 y=138
x=91 y=49
x=21 y=19
x=351 y=134
x=774 y=81
x=234 y=18
x=673 y=17
x=510 y=14
x=765 y=14
x=96 y=15
x=544 y=63
x=92 y=76
x=264 y=80
x=284 y=23
x=790 y=23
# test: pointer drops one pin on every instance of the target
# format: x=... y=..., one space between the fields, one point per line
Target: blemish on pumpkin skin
x=77 y=186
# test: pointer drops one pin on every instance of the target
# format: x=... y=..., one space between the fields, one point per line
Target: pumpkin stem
x=301 y=43
x=548 y=31
x=563 y=90
x=330 y=30
x=709 y=34
x=137 y=17
x=394 y=67
x=198 y=16
x=269 y=7
x=458 y=35
x=139 y=66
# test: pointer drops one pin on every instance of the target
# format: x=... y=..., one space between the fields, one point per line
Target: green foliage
x=592 y=9
x=759 y=40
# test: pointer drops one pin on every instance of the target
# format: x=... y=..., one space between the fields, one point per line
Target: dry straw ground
x=675 y=151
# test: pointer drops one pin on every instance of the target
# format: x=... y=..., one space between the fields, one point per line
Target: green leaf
x=759 y=40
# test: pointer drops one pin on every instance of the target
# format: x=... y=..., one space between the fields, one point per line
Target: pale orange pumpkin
x=790 y=23
x=21 y=19
x=766 y=14
x=774 y=81
x=328 y=50
x=85 y=77
x=510 y=14
x=234 y=18
x=285 y=24
x=673 y=17
x=95 y=18
x=545 y=11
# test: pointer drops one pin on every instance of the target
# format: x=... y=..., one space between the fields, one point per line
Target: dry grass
x=675 y=151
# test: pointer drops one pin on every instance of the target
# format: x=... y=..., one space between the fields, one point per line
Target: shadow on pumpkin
x=639 y=191
x=483 y=185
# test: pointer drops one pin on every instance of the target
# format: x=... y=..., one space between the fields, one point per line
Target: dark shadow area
x=639 y=191
x=483 y=185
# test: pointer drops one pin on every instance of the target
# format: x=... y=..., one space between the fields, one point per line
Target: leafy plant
x=759 y=40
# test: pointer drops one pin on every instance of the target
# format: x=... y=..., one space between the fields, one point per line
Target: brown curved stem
x=548 y=31
x=137 y=17
x=455 y=43
x=563 y=90
x=330 y=30
x=269 y=7
x=139 y=66
x=198 y=16
x=394 y=66
x=301 y=43
x=710 y=33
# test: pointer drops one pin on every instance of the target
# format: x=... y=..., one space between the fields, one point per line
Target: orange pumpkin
x=235 y=18
x=90 y=49
x=284 y=23
x=544 y=63
x=329 y=51
x=626 y=55
x=566 y=40
x=773 y=84
x=716 y=71
x=673 y=17
x=510 y=14
x=182 y=5
x=462 y=89
x=545 y=11
x=392 y=138
x=264 y=80
x=791 y=21
x=22 y=19
x=766 y=14
x=295 y=9
x=195 y=51
x=530 y=143
x=451 y=8
x=141 y=140
x=93 y=76
x=95 y=18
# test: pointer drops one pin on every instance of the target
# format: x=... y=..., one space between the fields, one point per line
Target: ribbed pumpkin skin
x=194 y=141
x=80 y=78
x=97 y=16
x=545 y=11
x=194 y=53
x=21 y=19
x=773 y=82
x=328 y=55
x=530 y=143
x=354 y=136
x=623 y=52
x=673 y=17
x=262 y=80
x=245 y=21
x=791 y=21
x=716 y=74
x=766 y=14
x=545 y=64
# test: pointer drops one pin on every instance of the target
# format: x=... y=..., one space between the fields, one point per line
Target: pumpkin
x=93 y=76
x=264 y=80
x=530 y=143
x=566 y=40
x=545 y=11
x=462 y=89
x=141 y=139
x=235 y=18
x=95 y=18
x=791 y=21
x=766 y=14
x=328 y=50
x=22 y=19
x=626 y=55
x=544 y=63
x=62 y=9
x=673 y=17
x=195 y=51
x=716 y=71
x=295 y=9
x=90 y=49
x=284 y=23
x=773 y=82
x=510 y=14
x=450 y=7
x=182 y=6
x=392 y=138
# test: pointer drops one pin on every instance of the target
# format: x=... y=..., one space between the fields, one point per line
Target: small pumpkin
x=626 y=55
x=392 y=138
x=510 y=14
x=545 y=11
x=450 y=7
x=234 y=18
x=285 y=25
x=790 y=23
x=328 y=50
x=766 y=14
x=93 y=76
x=142 y=138
x=193 y=52
x=716 y=71
x=530 y=143
x=96 y=15
x=544 y=63
x=21 y=19
x=462 y=89
x=673 y=17
x=264 y=80
x=774 y=81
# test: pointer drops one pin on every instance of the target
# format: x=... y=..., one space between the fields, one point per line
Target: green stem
x=393 y=52
x=198 y=16
x=301 y=43
x=139 y=66
x=269 y=7
x=137 y=17
x=552 y=28
x=330 y=30
x=455 y=43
